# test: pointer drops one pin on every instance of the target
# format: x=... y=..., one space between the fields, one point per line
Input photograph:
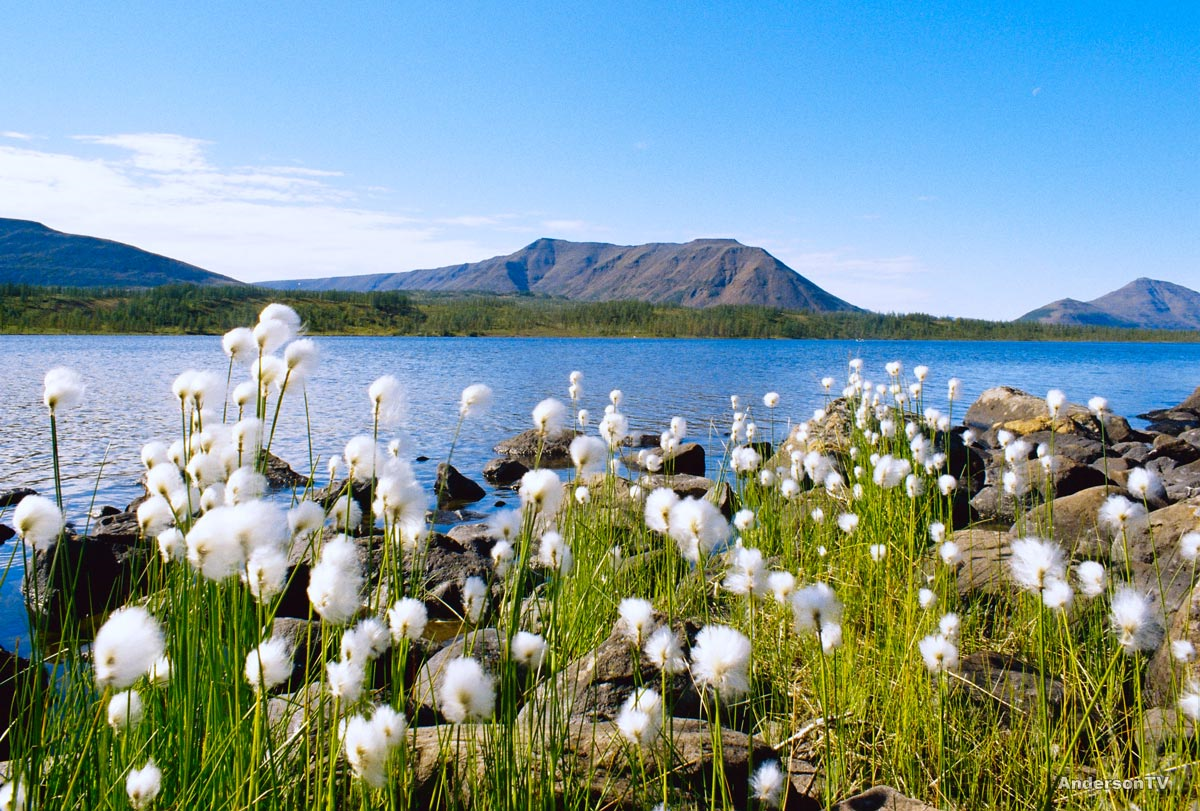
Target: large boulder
x=1167 y=676
x=983 y=567
x=1004 y=407
x=454 y=490
x=687 y=459
x=535 y=450
x=83 y=577
x=1150 y=547
x=1073 y=521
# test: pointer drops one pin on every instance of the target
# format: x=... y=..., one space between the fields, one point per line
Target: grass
x=866 y=711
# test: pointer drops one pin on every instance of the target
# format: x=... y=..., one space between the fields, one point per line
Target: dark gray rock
x=454 y=490
x=1135 y=452
x=81 y=578
x=21 y=683
x=1182 y=482
x=882 y=798
x=10 y=498
x=280 y=475
x=121 y=527
x=596 y=685
x=504 y=472
x=687 y=459
x=488 y=646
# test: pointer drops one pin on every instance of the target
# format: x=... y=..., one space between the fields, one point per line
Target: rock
x=10 y=498
x=449 y=517
x=1077 y=448
x=594 y=758
x=683 y=484
x=1022 y=414
x=504 y=472
x=1191 y=402
x=1182 y=483
x=1165 y=676
x=477 y=537
x=991 y=503
x=1174 y=448
x=20 y=684
x=1162 y=726
x=304 y=639
x=1136 y=453
x=1117 y=429
x=328 y=495
x=1172 y=422
x=486 y=645
x=455 y=490
x=7 y=533
x=525 y=446
x=983 y=568
x=1150 y=544
x=687 y=459
x=83 y=577
x=1068 y=477
x=882 y=798
x=447 y=565
x=280 y=474
x=596 y=685
x=1076 y=525
x=1004 y=682
x=121 y=527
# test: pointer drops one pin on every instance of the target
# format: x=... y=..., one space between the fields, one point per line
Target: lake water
x=129 y=400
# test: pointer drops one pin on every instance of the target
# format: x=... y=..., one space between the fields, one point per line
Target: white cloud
x=16 y=136
x=883 y=284
x=161 y=192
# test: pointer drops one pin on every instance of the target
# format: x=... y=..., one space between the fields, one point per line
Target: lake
x=129 y=400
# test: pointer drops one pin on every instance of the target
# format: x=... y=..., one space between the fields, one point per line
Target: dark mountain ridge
x=31 y=253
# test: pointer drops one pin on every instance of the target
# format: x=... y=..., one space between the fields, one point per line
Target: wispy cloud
x=163 y=192
x=881 y=283
x=16 y=136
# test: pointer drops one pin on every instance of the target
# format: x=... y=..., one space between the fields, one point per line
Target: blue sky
x=969 y=159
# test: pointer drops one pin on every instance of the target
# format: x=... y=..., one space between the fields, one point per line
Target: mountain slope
x=31 y=253
x=1143 y=303
x=701 y=273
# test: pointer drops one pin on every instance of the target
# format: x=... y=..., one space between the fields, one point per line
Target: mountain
x=31 y=253
x=701 y=273
x=1141 y=304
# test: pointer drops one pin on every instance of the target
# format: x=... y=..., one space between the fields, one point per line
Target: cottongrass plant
x=825 y=604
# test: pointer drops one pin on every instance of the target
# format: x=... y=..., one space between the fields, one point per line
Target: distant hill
x=1142 y=304
x=701 y=273
x=31 y=253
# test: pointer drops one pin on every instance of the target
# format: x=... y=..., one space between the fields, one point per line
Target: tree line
x=208 y=310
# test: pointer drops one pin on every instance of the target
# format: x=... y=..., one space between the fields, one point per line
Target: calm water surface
x=129 y=399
